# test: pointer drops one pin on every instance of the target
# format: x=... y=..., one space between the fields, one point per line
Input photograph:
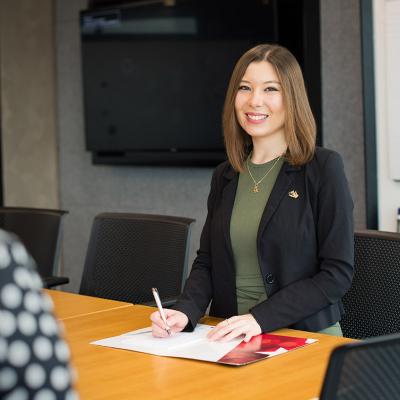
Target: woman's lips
x=256 y=118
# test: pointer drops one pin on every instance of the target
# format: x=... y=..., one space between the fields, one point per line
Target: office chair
x=372 y=305
x=40 y=232
x=367 y=370
x=128 y=254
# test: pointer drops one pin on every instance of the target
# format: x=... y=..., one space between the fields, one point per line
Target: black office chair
x=367 y=370
x=40 y=231
x=128 y=254
x=372 y=305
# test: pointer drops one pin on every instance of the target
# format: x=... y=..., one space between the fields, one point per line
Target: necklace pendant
x=255 y=189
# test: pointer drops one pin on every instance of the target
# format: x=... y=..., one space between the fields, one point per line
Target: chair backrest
x=40 y=232
x=372 y=305
x=128 y=254
x=366 y=370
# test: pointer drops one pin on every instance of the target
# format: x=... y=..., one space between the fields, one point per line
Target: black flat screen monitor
x=155 y=77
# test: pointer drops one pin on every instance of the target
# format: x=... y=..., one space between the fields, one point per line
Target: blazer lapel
x=228 y=199
x=279 y=190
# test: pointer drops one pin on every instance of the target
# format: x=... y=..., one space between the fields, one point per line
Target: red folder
x=261 y=347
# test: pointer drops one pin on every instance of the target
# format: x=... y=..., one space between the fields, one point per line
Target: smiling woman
x=259 y=106
x=277 y=246
x=277 y=71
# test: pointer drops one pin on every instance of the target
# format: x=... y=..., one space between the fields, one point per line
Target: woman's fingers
x=225 y=328
x=158 y=325
x=158 y=332
x=248 y=337
x=234 y=327
x=239 y=329
x=156 y=319
x=217 y=331
x=176 y=320
x=220 y=330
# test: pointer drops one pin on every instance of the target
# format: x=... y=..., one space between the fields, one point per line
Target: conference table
x=71 y=305
x=106 y=373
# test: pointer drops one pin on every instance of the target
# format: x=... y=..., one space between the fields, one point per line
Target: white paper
x=308 y=341
x=183 y=344
x=278 y=351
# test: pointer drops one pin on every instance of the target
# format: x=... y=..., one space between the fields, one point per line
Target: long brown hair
x=300 y=129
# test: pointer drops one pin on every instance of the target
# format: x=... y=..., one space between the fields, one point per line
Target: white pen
x=160 y=309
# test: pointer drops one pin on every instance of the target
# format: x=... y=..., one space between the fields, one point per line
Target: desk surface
x=105 y=373
x=69 y=305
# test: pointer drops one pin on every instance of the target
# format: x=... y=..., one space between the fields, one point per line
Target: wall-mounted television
x=155 y=76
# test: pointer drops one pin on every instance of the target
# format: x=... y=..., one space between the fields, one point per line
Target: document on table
x=193 y=345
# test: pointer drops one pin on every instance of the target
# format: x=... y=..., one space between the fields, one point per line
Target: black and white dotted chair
x=34 y=359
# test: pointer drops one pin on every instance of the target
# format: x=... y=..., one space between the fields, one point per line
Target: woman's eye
x=271 y=89
x=244 y=87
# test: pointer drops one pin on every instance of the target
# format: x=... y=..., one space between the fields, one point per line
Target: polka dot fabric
x=34 y=359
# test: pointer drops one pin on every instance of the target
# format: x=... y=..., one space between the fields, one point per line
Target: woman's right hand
x=176 y=320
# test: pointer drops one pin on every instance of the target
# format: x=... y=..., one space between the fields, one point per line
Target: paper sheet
x=183 y=344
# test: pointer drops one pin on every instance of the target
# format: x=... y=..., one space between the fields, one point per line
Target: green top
x=246 y=215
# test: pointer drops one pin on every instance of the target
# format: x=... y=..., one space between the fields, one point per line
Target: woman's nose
x=256 y=99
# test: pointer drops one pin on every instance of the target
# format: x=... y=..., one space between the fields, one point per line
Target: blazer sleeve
x=335 y=252
x=197 y=292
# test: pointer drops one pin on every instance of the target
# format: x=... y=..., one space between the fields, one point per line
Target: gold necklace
x=255 y=188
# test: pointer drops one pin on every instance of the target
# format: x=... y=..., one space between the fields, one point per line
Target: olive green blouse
x=246 y=215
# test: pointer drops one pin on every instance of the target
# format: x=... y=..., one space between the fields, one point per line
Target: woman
x=276 y=249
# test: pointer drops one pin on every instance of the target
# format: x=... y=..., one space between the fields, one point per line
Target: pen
x=160 y=309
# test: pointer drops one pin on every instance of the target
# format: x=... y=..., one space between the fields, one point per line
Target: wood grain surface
x=105 y=373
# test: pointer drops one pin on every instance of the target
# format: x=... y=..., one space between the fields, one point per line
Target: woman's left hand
x=235 y=326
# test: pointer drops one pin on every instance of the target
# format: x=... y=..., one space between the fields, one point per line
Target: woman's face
x=259 y=102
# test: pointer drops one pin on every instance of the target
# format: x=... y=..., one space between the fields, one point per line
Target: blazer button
x=269 y=278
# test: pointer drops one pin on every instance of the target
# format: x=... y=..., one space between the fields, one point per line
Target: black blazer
x=305 y=248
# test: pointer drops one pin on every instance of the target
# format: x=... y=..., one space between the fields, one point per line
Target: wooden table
x=70 y=305
x=105 y=373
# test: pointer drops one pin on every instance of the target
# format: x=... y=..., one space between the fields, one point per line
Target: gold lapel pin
x=293 y=194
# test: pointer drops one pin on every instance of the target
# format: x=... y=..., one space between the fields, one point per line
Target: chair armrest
x=167 y=303
x=51 y=281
